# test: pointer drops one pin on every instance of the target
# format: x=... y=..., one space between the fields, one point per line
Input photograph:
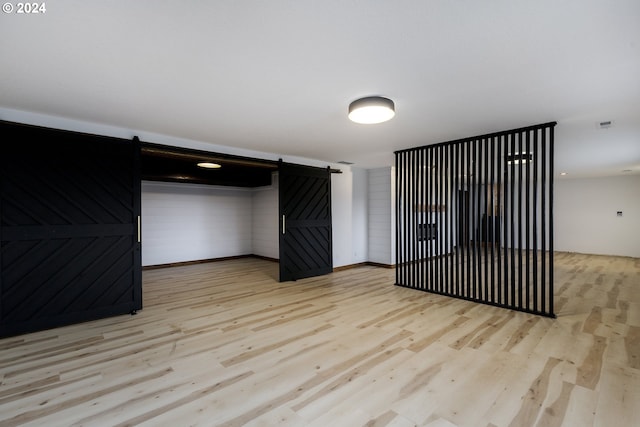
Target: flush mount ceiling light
x=371 y=110
x=208 y=165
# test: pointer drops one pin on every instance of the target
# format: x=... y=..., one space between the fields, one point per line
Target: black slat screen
x=474 y=218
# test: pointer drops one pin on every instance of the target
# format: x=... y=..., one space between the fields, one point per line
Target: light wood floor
x=226 y=344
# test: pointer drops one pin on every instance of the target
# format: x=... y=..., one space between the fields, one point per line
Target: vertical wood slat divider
x=398 y=205
x=477 y=218
x=501 y=296
x=411 y=223
x=485 y=224
x=527 y=228
x=512 y=222
x=446 y=200
x=442 y=229
x=493 y=220
x=451 y=198
x=404 y=223
x=469 y=220
x=455 y=198
x=419 y=220
x=507 y=294
x=551 y=176
x=543 y=201
x=535 y=220
x=520 y=215
x=474 y=218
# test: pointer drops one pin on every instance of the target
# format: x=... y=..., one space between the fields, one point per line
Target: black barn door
x=69 y=236
x=305 y=221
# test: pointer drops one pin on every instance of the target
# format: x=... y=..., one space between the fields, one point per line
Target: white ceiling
x=278 y=76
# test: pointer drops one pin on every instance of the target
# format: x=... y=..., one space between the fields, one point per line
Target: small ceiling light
x=519 y=158
x=209 y=165
x=563 y=173
x=371 y=110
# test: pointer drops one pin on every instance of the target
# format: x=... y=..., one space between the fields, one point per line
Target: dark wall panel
x=69 y=216
x=305 y=213
x=474 y=218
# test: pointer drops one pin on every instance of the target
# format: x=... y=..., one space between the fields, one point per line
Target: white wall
x=188 y=222
x=360 y=216
x=586 y=220
x=265 y=225
x=381 y=227
x=349 y=216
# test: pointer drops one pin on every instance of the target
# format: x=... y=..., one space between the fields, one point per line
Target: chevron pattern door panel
x=305 y=215
x=69 y=213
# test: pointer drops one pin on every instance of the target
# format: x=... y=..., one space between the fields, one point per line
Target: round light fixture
x=371 y=110
x=209 y=165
